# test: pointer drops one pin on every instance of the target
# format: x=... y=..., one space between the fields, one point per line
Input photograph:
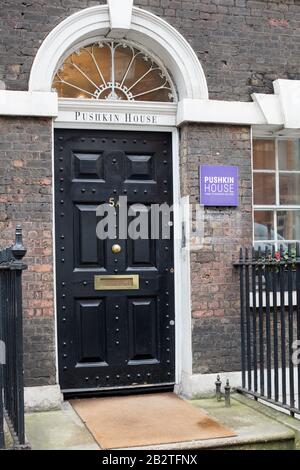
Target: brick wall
x=243 y=45
x=215 y=285
x=26 y=198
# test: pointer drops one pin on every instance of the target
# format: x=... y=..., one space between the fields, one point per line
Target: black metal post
x=268 y=324
x=290 y=328
x=11 y=332
x=298 y=311
x=261 y=324
x=254 y=323
x=248 y=327
x=282 y=325
x=2 y=443
x=19 y=251
x=243 y=352
x=275 y=324
x=1 y=412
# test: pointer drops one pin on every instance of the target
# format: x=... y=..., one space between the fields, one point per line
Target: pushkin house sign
x=115 y=118
x=218 y=185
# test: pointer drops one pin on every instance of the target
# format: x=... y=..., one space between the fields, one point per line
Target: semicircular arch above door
x=113 y=70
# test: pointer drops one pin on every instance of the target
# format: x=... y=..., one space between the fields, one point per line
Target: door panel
x=87 y=166
x=91 y=327
x=143 y=323
x=141 y=253
x=113 y=338
x=88 y=249
x=139 y=168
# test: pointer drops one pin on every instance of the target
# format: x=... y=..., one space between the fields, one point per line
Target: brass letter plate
x=117 y=282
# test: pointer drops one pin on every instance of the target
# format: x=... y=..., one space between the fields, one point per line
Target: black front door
x=115 y=297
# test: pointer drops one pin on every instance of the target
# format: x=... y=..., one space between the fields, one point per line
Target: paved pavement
x=256 y=426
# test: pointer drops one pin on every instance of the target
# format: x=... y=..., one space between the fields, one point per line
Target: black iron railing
x=11 y=341
x=270 y=325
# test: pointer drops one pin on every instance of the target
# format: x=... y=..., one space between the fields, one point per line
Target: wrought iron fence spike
x=281 y=251
x=273 y=251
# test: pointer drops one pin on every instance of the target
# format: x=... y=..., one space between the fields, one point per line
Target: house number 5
x=112 y=202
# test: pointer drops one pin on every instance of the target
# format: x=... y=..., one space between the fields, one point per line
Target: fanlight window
x=111 y=70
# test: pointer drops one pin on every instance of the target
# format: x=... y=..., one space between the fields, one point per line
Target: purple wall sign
x=219 y=185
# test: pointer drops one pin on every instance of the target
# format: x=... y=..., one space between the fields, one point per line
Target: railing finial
x=18 y=249
x=227 y=389
x=218 y=384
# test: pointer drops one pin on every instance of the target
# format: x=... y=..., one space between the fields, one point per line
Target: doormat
x=140 y=420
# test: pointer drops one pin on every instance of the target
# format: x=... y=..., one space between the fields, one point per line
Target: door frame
x=182 y=299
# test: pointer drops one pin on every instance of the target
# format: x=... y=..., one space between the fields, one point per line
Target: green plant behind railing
x=277 y=258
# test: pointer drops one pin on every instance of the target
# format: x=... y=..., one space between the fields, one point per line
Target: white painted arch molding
x=148 y=30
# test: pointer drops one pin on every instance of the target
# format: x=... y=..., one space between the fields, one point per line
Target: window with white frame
x=276 y=192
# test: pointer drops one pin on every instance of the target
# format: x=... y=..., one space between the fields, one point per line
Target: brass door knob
x=116 y=248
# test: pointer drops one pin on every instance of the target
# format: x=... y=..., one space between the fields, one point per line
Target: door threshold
x=113 y=391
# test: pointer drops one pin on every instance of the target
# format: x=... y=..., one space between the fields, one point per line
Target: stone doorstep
x=256 y=428
x=273 y=412
x=58 y=430
x=284 y=443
